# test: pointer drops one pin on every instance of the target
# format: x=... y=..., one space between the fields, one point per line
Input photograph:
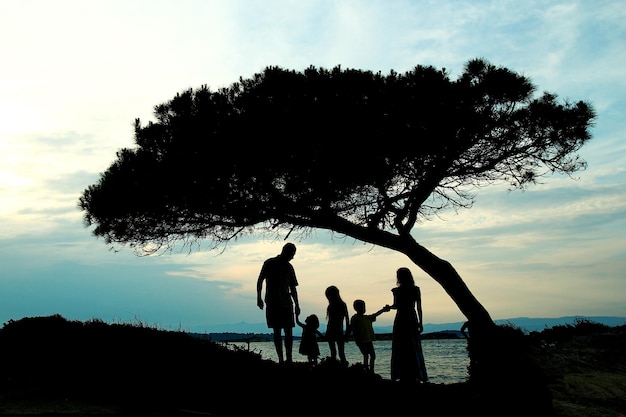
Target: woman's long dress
x=407 y=359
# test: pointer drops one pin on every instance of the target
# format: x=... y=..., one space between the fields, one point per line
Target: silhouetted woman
x=407 y=359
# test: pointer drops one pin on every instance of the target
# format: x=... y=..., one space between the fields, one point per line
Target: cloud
x=75 y=76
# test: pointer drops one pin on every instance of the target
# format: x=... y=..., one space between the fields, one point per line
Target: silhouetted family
x=282 y=313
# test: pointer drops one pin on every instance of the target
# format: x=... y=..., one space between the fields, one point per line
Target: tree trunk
x=445 y=274
x=480 y=323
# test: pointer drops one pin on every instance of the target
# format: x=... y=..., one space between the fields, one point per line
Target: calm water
x=446 y=359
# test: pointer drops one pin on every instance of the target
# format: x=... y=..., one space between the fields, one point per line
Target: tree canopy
x=351 y=151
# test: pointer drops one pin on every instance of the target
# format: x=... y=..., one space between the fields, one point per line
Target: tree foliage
x=350 y=151
x=366 y=155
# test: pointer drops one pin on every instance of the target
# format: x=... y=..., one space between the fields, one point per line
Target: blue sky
x=74 y=75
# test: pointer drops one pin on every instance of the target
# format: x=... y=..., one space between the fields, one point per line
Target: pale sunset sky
x=74 y=75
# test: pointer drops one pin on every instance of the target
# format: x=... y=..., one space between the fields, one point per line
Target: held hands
x=387 y=308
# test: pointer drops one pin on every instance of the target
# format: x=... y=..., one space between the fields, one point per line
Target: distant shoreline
x=526 y=324
x=267 y=337
x=431 y=331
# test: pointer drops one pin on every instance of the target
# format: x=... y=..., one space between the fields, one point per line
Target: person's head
x=332 y=293
x=289 y=250
x=404 y=277
x=359 y=306
x=312 y=321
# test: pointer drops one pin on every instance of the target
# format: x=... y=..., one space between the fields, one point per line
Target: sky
x=74 y=75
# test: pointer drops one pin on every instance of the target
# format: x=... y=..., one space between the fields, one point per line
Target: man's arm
x=294 y=295
x=259 y=289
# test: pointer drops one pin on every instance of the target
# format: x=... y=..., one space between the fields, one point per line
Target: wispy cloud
x=75 y=75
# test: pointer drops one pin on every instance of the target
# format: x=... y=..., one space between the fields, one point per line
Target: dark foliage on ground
x=137 y=370
x=585 y=367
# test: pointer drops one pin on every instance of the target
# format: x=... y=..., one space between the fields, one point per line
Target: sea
x=446 y=359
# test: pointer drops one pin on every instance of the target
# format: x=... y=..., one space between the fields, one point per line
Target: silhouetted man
x=280 y=298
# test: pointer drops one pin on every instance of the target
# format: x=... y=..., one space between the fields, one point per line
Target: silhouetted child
x=363 y=331
x=308 y=341
x=336 y=315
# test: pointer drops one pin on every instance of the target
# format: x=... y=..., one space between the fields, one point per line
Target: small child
x=363 y=331
x=308 y=342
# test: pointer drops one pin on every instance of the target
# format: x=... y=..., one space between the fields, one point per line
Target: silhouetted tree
x=354 y=152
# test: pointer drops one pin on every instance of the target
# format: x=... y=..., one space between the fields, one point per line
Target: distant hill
x=527 y=324
x=235 y=337
x=539 y=324
x=267 y=337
